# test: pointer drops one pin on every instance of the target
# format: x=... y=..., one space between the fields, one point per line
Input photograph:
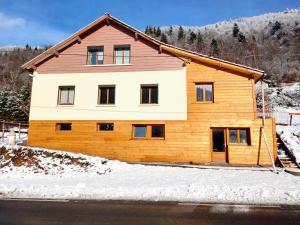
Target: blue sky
x=39 y=22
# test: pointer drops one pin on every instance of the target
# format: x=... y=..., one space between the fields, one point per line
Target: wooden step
x=293 y=171
x=285 y=159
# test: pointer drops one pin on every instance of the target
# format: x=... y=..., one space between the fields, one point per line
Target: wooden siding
x=145 y=55
x=185 y=141
x=233 y=94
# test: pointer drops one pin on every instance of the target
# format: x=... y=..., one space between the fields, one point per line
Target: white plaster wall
x=171 y=87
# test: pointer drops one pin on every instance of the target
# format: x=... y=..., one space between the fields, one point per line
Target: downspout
x=264 y=123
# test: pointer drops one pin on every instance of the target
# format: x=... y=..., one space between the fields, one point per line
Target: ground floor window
x=239 y=136
x=64 y=126
x=149 y=131
x=105 y=126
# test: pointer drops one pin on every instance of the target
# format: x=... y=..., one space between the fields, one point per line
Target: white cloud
x=18 y=31
x=10 y=22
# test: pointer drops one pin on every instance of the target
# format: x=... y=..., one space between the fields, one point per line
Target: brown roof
x=76 y=37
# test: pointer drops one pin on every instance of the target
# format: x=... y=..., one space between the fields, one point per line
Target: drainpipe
x=263 y=103
x=264 y=123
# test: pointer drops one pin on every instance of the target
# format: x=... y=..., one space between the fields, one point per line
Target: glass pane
x=71 y=95
x=103 y=95
x=218 y=140
x=233 y=136
x=243 y=136
x=208 y=92
x=126 y=55
x=199 y=89
x=158 y=131
x=92 y=56
x=65 y=126
x=100 y=56
x=154 y=95
x=111 y=99
x=119 y=55
x=63 y=96
x=145 y=95
x=140 y=131
x=106 y=126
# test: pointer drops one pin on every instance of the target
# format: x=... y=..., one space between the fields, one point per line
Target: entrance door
x=219 y=145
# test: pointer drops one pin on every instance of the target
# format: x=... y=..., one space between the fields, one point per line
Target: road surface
x=20 y=212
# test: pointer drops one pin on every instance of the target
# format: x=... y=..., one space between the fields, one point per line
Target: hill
x=270 y=42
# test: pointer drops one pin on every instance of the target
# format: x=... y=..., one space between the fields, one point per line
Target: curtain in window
x=119 y=55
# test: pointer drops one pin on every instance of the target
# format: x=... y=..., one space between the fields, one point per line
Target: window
x=149 y=94
x=95 y=56
x=156 y=131
x=64 y=126
x=66 y=95
x=239 y=136
x=105 y=126
x=140 y=131
x=122 y=55
x=204 y=92
x=106 y=95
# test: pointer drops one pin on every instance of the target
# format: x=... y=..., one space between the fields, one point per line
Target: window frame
x=150 y=91
x=59 y=95
x=123 y=55
x=99 y=127
x=204 y=92
x=94 y=48
x=58 y=127
x=148 y=135
x=238 y=129
x=107 y=94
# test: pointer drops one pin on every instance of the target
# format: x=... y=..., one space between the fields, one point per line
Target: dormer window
x=95 y=55
x=122 y=55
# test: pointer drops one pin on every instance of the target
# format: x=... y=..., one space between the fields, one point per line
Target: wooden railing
x=19 y=128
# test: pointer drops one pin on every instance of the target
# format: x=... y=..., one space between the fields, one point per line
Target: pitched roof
x=76 y=37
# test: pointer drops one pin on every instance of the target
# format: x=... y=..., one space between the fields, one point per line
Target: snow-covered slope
x=42 y=173
x=247 y=25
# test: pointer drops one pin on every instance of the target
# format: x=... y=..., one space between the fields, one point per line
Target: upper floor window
x=66 y=95
x=149 y=94
x=122 y=55
x=106 y=94
x=95 y=56
x=204 y=92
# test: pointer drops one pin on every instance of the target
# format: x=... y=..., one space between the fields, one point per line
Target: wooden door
x=219 y=145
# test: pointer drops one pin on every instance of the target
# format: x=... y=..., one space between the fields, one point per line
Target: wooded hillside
x=270 y=42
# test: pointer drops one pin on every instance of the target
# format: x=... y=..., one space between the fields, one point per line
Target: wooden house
x=110 y=90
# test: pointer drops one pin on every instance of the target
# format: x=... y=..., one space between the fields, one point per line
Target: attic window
x=95 y=55
x=122 y=55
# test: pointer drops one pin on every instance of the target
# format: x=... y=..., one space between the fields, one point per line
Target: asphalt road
x=17 y=212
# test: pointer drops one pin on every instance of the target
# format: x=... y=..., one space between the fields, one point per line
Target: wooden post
x=19 y=131
x=269 y=152
x=291 y=119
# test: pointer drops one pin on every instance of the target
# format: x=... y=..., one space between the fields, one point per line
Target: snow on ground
x=40 y=173
x=289 y=134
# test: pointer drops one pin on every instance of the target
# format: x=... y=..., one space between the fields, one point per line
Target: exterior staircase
x=285 y=157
